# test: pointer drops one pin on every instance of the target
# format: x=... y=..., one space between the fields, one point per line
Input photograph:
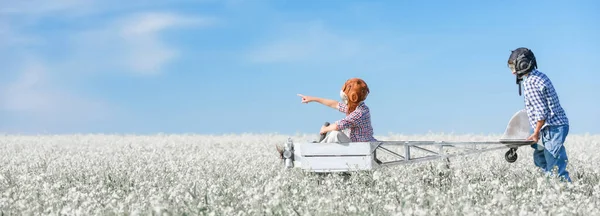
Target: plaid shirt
x=541 y=101
x=358 y=121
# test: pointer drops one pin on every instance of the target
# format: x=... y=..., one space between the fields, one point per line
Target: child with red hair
x=358 y=118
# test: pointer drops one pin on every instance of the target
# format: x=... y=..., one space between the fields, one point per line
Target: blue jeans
x=554 y=153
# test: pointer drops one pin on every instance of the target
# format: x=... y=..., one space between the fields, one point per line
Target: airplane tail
x=518 y=127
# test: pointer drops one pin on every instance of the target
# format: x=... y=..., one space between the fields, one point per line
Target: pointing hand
x=306 y=99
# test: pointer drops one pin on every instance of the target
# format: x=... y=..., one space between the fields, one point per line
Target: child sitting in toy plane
x=357 y=120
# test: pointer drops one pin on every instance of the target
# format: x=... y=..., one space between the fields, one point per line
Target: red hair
x=356 y=90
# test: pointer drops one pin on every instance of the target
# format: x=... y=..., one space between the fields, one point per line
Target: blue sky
x=235 y=66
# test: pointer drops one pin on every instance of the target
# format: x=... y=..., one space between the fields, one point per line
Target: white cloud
x=132 y=42
x=33 y=94
x=146 y=53
x=11 y=37
x=152 y=22
x=44 y=7
x=127 y=42
x=18 y=17
x=8 y=35
x=307 y=43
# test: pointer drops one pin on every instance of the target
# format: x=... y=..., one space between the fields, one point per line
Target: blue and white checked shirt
x=541 y=101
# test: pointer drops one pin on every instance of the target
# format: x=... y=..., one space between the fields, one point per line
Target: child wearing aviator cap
x=357 y=119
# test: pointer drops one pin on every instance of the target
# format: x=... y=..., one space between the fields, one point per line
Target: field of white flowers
x=242 y=175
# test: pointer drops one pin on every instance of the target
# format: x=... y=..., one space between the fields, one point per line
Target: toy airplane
x=353 y=156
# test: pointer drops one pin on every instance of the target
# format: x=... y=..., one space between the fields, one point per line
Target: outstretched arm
x=327 y=102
